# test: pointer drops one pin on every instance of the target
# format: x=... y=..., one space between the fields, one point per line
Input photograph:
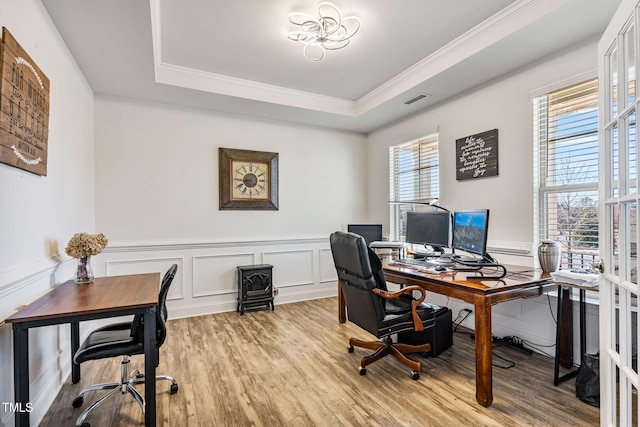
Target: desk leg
x=75 y=345
x=564 y=295
x=583 y=326
x=556 y=367
x=342 y=317
x=21 y=374
x=484 y=368
x=150 y=362
x=565 y=319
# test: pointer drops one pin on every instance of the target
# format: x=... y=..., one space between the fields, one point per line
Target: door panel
x=618 y=224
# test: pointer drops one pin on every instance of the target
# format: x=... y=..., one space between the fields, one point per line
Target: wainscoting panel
x=139 y=266
x=327 y=267
x=302 y=269
x=291 y=267
x=215 y=274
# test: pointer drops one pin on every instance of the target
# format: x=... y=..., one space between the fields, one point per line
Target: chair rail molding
x=151 y=245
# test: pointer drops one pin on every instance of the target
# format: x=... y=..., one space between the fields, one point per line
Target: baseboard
x=195 y=310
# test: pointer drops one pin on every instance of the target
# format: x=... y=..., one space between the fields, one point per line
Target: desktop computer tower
x=440 y=336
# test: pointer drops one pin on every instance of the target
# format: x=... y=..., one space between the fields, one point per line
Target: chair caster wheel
x=351 y=349
x=77 y=402
x=415 y=375
x=174 y=389
x=363 y=371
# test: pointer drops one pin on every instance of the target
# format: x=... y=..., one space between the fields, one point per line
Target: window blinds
x=414 y=177
x=414 y=170
x=566 y=156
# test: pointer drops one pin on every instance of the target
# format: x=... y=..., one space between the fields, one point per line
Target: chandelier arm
x=340 y=37
x=332 y=24
x=305 y=18
x=301 y=36
x=332 y=6
x=312 y=58
x=311 y=26
x=351 y=18
x=328 y=26
x=334 y=45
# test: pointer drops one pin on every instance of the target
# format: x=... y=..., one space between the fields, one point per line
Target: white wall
x=38 y=215
x=157 y=201
x=157 y=174
x=504 y=105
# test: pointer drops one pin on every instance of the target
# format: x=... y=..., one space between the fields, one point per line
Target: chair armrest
x=417 y=322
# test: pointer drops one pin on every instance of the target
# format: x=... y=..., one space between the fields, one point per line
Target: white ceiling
x=234 y=56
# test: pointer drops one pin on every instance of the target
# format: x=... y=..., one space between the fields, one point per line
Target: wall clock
x=248 y=179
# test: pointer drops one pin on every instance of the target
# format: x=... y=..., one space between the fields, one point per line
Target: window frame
x=411 y=187
x=543 y=145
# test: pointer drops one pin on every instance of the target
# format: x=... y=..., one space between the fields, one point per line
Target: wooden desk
x=482 y=294
x=72 y=303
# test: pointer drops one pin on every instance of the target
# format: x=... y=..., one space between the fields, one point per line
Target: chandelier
x=328 y=31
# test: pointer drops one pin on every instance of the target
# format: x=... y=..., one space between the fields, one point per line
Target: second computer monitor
x=370 y=232
x=470 y=230
x=429 y=228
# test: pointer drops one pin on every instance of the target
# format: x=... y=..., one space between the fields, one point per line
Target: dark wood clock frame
x=226 y=157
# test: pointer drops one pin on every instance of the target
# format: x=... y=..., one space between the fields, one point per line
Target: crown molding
x=509 y=20
x=231 y=86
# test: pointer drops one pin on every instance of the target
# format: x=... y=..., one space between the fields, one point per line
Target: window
x=413 y=177
x=566 y=171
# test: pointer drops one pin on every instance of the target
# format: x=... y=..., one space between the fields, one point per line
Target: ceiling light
x=328 y=31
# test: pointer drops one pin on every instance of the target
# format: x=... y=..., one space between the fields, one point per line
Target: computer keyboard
x=427 y=263
x=411 y=261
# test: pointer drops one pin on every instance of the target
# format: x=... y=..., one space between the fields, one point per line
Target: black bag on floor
x=588 y=380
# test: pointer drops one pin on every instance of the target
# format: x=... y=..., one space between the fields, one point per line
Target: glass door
x=617 y=65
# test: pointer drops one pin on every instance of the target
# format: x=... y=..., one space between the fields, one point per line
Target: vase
x=549 y=255
x=84 y=273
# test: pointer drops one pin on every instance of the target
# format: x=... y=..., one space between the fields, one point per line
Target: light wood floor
x=290 y=367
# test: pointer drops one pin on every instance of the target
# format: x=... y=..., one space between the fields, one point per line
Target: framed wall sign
x=248 y=180
x=24 y=109
x=477 y=155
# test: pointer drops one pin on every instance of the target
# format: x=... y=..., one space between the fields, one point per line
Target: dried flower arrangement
x=85 y=244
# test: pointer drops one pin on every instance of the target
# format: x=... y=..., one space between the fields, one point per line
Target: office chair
x=124 y=339
x=368 y=303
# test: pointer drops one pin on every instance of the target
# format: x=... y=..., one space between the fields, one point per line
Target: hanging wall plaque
x=477 y=155
x=24 y=109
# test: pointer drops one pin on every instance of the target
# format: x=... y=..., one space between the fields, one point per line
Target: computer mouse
x=440 y=268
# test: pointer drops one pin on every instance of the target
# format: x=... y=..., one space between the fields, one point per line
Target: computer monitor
x=470 y=230
x=370 y=232
x=429 y=229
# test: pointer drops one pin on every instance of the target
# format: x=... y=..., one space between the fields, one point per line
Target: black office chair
x=124 y=339
x=369 y=303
